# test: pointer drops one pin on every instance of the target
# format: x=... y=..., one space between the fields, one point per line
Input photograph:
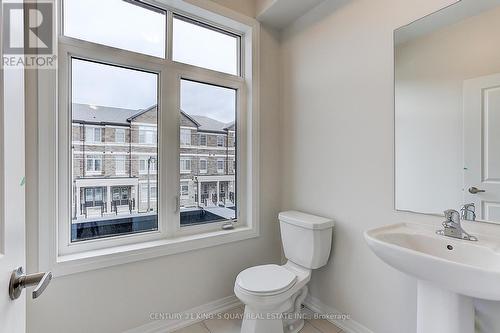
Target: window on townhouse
x=94 y=164
x=93 y=134
x=203 y=139
x=203 y=166
x=220 y=141
x=148 y=196
x=185 y=165
x=185 y=137
x=120 y=164
x=120 y=135
x=110 y=74
x=147 y=135
x=184 y=190
x=220 y=166
x=147 y=165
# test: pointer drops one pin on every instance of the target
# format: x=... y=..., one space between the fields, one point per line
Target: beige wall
x=121 y=297
x=338 y=141
x=430 y=72
x=246 y=7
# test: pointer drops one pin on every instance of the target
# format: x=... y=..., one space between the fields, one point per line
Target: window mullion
x=169 y=34
x=169 y=143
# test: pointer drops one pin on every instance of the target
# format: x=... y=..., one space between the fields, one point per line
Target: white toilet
x=273 y=294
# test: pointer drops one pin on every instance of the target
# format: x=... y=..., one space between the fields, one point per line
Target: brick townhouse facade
x=115 y=162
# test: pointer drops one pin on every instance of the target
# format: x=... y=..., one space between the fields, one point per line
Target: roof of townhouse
x=97 y=114
x=86 y=113
x=209 y=124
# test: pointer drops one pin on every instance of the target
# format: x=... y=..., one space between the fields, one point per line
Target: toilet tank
x=306 y=238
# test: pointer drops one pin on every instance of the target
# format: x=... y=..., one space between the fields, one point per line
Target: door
x=482 y=146
x=12 y=229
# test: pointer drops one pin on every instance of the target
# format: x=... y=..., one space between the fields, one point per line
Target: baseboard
x=347 y=325
x=170 y=325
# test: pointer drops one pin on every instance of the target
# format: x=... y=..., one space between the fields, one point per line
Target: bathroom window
x=217 y=196
x=192 y=38
x=157 y=110
x=129 y=25
x=107 y=94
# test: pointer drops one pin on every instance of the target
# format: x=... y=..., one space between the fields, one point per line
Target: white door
x=482 y=146
x=12 y=240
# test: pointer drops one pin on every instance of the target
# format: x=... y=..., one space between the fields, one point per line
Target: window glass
x=120 y=135
x=120 y=165
x=185 y=137
x=209 y=109
x=129 y=25
x=220 y=141
x=185 y=165
x=104 y=205
x=203 y=139
x=197 y=44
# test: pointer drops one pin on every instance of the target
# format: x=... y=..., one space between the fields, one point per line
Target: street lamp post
x=151 y=159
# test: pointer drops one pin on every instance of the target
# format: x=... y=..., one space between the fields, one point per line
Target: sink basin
x=449 y=272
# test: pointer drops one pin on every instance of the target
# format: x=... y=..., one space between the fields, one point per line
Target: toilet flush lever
x=19 y=280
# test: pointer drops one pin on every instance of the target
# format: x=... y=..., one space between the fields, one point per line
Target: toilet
x=273 y=294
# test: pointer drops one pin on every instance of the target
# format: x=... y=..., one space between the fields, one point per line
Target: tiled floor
x=233 y=325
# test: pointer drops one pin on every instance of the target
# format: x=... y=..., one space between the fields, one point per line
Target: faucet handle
x=449 y=213
x=452 y=218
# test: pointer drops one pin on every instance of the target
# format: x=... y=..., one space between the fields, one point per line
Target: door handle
x=19 y=280
x=475 y=190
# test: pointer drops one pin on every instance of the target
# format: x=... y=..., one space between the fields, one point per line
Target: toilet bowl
x=273 y=294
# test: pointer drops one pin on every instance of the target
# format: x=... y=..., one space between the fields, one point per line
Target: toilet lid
x=266 y=279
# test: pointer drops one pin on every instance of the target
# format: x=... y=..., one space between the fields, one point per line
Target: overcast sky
x=141 y=30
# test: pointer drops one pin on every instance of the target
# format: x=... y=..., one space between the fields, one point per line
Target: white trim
x=167 y=326
x=51 y=162
x=106 y=257
x=347 y=326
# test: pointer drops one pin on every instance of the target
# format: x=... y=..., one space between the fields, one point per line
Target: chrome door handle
x=475 y=190
x=19 y=281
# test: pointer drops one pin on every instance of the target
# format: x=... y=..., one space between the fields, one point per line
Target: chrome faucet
x=468 y=212
x=453 y=227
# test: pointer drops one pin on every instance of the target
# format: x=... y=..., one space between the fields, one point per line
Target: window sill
x=86 y=261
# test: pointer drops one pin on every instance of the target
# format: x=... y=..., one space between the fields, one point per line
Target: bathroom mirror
x=447 y=111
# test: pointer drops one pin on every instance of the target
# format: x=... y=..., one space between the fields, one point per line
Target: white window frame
x=184 y=196
x=204 y=170
x=121 y=130
x=183 y=163
x=93 y=158
x=219 y=170
x=121 y=159
x=54 y=140
x=143 y=171
x=92 y=129
x=185 y=134
x=206 y=140
x=150 y=135
x=219 y=139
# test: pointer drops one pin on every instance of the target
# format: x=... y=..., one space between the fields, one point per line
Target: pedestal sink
x=450 y=272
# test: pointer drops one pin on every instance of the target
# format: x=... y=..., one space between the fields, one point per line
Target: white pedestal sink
x=450 y=272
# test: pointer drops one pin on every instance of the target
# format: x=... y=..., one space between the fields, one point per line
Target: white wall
x=338 y=141
x=121 y=297
x=430 y=72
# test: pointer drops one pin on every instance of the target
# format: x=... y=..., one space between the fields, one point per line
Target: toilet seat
x=266 y=280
